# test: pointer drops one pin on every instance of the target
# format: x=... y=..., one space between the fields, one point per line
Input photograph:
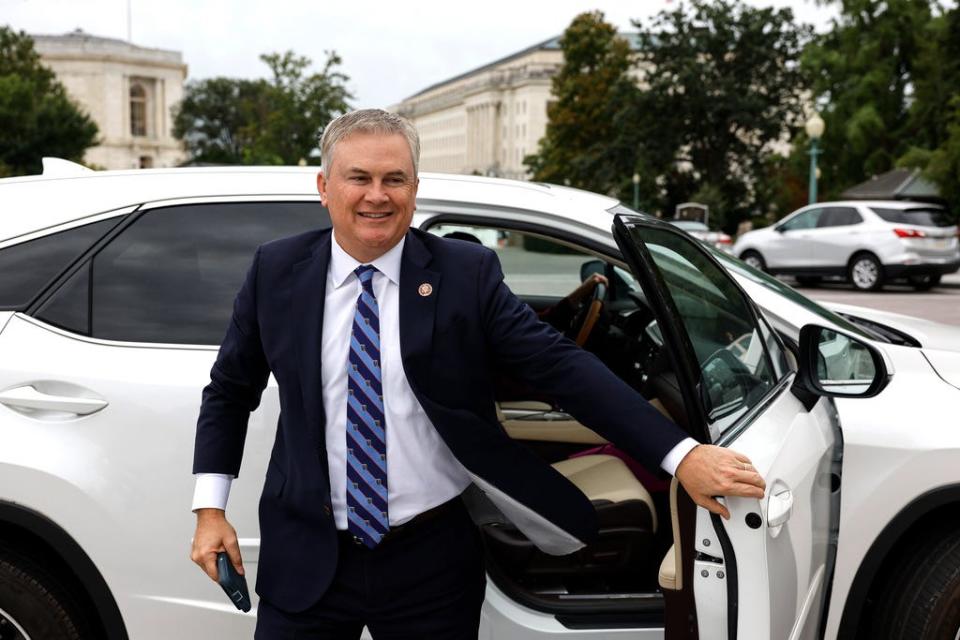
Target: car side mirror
x=780 y=229
x=837 y=364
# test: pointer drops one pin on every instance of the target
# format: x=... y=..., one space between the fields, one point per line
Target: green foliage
x=878 y=59
x=37 y=117
x=276 y=121
x=722 y=87
x=934 y=115
x=582 y=146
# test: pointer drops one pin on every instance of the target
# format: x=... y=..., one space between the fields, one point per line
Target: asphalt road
x=942 y=303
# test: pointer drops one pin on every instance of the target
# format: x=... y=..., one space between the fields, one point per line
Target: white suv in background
x=866 y=242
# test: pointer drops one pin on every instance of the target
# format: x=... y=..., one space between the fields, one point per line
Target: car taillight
x=909 y=233
x=724 y=239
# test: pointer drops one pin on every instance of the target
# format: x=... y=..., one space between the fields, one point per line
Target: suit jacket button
x=326 y=509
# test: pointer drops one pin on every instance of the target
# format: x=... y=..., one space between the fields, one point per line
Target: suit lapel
x=309 y=292
x=419 y=291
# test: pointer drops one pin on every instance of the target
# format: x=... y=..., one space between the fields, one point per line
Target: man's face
x=371 y=193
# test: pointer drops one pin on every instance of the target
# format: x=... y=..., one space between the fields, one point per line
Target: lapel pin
x=425 y=289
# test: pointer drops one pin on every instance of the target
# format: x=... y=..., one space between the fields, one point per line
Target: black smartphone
x=234 y=584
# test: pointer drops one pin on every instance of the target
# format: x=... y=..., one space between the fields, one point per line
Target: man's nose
x=375 y=193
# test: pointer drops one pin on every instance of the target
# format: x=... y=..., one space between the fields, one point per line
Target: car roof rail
x=59 y=168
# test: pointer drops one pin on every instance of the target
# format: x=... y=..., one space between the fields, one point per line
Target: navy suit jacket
x=452 y=342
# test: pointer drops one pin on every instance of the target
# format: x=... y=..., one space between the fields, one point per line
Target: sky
x=390 y=50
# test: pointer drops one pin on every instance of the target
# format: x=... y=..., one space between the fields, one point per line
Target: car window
x=922 y=216
x=28 y=267
x=733 y=352
x=806 y=220
x=171 y=277
x=532 y=265
x=839 y=217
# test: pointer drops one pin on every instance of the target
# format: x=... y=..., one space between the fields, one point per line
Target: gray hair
x=367 y=121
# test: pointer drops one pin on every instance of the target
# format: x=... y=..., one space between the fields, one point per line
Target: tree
x=582 y=146
x=37 y=117
x=866 y=71
x=934 y=115
x=721 y=93
x=276 y=121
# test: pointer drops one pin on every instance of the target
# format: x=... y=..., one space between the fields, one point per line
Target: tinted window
x=173 y=274
x=839 y=217
x=806 y=220
x=923 y=216
x=27 y=267
x=732 y=351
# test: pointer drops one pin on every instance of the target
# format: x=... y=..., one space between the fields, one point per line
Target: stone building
x=486 y=120
x=128 y=90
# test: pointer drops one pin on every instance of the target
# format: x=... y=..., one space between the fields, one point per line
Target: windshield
x=740 y=268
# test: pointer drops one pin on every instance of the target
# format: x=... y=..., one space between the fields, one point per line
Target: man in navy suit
x=384 y=342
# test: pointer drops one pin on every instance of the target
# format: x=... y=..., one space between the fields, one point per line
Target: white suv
x=116 y=287
x=868 y=243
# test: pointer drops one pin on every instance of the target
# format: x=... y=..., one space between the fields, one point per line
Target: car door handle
x=29 y=398
x=779 y=508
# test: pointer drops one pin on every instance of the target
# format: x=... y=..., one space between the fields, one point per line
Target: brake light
x=909 y=233
x=724 y=239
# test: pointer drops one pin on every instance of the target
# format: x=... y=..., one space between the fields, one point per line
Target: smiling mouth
x=373 y=215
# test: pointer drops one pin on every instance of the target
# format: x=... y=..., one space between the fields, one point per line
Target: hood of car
x=930 y=334
x=946 y=364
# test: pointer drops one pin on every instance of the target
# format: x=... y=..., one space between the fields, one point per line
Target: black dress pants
x=427 y=581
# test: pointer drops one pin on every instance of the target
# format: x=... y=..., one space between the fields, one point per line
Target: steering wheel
x=588 y=314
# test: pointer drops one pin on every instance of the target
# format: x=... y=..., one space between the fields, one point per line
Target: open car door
x=765 y=573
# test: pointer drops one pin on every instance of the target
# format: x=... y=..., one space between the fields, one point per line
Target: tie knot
x=365 y=275
x=365 y=272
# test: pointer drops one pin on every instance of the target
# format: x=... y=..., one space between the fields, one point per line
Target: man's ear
x=322 y=187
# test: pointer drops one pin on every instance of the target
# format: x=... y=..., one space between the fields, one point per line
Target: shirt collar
x=342 y=264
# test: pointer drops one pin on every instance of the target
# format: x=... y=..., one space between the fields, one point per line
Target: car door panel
x=143 y=435
x=773 y=576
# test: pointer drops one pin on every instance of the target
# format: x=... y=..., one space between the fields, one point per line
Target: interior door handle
x=29 y=398
x=779 y=508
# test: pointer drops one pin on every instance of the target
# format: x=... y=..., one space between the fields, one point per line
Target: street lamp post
x=814 y=127
x=636 y=191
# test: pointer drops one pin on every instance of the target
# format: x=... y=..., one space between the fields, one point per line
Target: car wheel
x=808 y=281
x=754 y=259
x=33 y=605
x=866 y=272
x=924 y=283
x=921 y=597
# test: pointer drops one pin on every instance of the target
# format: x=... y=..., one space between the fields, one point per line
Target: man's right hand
x=213 y=535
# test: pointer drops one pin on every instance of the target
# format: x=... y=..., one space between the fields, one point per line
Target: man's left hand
x=709 y=471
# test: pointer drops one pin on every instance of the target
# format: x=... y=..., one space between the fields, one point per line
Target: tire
x=920 y=599
x=924 y=283
x=754 y=259
x=33 y=604
x=865 y=272
x=809 y=281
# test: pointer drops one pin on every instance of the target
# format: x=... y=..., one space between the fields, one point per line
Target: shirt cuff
x=673 y=459
x=211 y=491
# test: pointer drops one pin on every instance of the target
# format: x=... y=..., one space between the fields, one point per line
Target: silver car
x=702 y=232
x=867 y=243
x=115 y=288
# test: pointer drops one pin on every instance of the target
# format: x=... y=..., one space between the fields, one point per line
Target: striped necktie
x=366 y=428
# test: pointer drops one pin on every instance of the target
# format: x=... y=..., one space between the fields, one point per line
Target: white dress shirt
x=421 y=470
